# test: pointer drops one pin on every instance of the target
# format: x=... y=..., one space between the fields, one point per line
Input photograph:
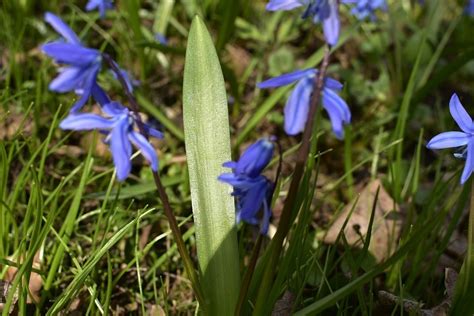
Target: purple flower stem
x=188 y=263
x=286 y=215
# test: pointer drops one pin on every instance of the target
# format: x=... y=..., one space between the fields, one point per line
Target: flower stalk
x=285 y=219
x=188 y=264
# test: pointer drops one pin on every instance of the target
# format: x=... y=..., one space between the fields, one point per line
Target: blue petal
x=297 y=107
x=286 y=79
x=161 y=39
x=99 y=95
x=83 y=122
x=252 y=201
x=332 y=25
x=153 y=132
x=237 y=181
x=62 y=28
x=67 y=80
x=460 y=115
x=255 y=158
x=332 y=84
x=277 y=5
x=71 y=54
x=146 y=148
x=86 y=87
x=338 y=111
x=230 y=164
x=121 y=148
x=114 y=108
x=448 y=140
x=469 y=167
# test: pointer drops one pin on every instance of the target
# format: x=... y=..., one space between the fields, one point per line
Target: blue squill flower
x=297 y=107
x=83 y=64
x=464 y=139
x=101 y=5
x=365 y=8
x=252 y=190
x=120 y=130
x=320 y=11
x=469 y=9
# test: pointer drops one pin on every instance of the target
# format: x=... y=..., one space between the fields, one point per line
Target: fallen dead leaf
x=156 y=310
x=386 y=226
x=35 y=283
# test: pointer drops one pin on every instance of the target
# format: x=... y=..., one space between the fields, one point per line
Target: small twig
x=188 y=263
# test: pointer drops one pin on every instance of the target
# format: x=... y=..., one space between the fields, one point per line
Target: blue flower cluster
x=101 y=5
x=252 y=190
x=326 y=12
x=80 y=75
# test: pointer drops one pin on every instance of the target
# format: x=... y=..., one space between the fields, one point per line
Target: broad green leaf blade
x=206 y=133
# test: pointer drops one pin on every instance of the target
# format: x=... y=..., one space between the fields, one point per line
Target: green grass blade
x=206 y=129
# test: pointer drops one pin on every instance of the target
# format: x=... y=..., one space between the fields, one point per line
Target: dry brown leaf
x=12 y=124
x=386 y=226
x=156 y=310
x=35 y=283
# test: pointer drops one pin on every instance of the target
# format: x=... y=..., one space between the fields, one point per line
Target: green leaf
x=206 y=132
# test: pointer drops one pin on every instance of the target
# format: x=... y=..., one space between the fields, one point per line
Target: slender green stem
x=285 y=219
x=248 y=275
x=188 y=263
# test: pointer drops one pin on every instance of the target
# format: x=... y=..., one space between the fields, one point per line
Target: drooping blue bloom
x=252 y=190
x=469 y=9
x=464 y=139
x=101 y=5
x=120 y=130
x=297 y=106
x=320 y=11
x=83 y=64
x=366 y=8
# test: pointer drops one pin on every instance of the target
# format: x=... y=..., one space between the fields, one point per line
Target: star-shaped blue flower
x=101 y=5
x=120 y=130
x=464 y=139
x=83 y=64
x=320 y=11
x=252 y=190
x=297 y=106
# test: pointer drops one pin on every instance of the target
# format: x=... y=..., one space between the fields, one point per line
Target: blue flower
x=297 y=107
x=464 y=139
x=161 y=39
x=119 y=128
x=469 y=9
x=83 y=64
x=321 y=11
x=252 y=190
x=366 y=8
x=101 y=5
